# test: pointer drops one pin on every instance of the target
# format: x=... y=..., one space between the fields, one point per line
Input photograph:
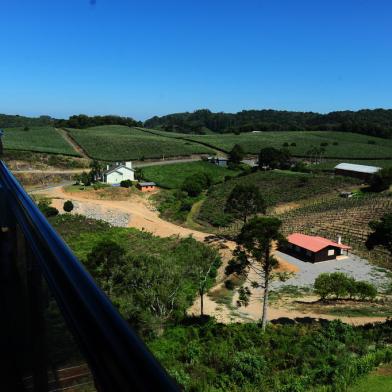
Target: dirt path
x=63 y=133
x=142 y=215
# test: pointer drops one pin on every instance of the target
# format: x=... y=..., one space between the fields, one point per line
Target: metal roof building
x=358 y=168
x=362 y=172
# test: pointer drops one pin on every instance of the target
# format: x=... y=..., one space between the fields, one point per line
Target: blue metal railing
x=117 y=357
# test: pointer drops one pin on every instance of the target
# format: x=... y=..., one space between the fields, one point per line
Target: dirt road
x=142 y=215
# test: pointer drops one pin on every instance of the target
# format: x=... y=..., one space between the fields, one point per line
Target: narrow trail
x=65 y=135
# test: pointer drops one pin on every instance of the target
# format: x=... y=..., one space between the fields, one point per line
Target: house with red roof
x=314 y=248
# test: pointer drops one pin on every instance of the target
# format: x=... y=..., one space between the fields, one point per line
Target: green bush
x=126 y=183
x=68 y=206
x=47 y=209
x=195 y=184
x=365 y=291
x=339 y=286
x=229 y=284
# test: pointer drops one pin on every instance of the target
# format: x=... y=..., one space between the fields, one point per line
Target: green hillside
x=275 y=186
x=38 y=139
x=347 y=145
x=116 y=142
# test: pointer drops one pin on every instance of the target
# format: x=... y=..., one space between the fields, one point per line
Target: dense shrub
x=192 y=187
x=206 y=356
x=342 y=286
x=68 y=206
x=126 y=183
x=47 y=209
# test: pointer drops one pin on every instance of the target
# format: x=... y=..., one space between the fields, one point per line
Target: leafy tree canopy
x=244 y=201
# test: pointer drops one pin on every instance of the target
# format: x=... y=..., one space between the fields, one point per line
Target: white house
x=121 y=171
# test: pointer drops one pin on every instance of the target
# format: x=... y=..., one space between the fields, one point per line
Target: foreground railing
x=34 y=336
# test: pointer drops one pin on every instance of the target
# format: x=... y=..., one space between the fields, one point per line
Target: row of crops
x=299 y=143
x=114 y=142
x=349 y=218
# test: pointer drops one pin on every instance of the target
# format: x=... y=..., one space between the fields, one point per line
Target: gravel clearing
x=354 y=266
x=93 y=211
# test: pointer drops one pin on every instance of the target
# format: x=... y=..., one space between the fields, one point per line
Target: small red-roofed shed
x=314 y=248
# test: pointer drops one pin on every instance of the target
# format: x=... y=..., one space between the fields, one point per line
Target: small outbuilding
x=147 y=186
x=313 y=248
x=219 y=161
x=363 y=172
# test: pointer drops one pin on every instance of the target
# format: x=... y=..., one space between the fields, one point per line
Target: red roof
x=313 y=243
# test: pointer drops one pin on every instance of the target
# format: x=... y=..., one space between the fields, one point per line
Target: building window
x=331 y=252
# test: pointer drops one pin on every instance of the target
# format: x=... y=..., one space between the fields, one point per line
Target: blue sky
x=141 y=58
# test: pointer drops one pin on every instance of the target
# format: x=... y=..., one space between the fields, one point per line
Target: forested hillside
x=376 y=122
x=82 y=121
x=8 y=121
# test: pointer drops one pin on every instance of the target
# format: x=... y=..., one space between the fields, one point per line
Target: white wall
x=121 y=174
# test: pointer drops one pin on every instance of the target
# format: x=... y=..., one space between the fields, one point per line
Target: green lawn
x=37 y=139
x=116 y=142
x=349 y=145
x=378 y=381
x=172 y=176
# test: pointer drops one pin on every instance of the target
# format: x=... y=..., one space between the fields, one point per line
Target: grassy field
x=275 y=186
x=378 y=381
x=38 y=139
x=114 y=142
x=172 y=176
x=349 y=145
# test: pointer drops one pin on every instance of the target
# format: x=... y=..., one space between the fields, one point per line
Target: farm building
x=118 y=172
x=362 y=172
x=147 y=186
x=219 y=161
x=313 y=248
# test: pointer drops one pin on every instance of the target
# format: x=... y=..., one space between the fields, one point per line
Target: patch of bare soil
x=385 y=370
x=285 y=207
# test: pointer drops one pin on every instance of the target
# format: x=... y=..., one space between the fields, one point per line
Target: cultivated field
x=172 y=176
x=275 y=186
x=38 y=139
x=114 y=142
x=349 y=218
x=349 y=145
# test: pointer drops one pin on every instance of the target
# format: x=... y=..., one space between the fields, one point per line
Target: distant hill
x=377 y=122
x=11 y=121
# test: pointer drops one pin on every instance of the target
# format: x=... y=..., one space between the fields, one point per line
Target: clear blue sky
x=141 y=58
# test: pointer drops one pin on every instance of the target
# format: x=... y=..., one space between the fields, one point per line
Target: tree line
x=82 y=121
x=377 y=122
